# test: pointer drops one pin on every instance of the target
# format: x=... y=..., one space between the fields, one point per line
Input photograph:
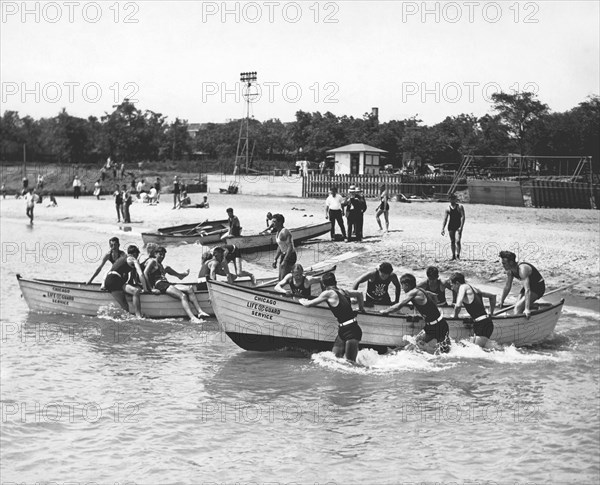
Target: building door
x=354 y=163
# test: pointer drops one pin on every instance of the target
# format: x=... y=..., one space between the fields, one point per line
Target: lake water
x=118 y=400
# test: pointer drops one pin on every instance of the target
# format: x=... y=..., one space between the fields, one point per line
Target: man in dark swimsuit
x=300 y=284
x=378 y=282
x=456 y=215
x=435 y=335
x=472 y=299
x=436 y=287
x=534 y=286
x=117 y=280
x=349 y=332
x=112 y=256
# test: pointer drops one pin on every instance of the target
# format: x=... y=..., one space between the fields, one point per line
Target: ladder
x=462 y=170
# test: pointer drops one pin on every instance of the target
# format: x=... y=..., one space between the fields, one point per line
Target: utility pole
x=243 y=149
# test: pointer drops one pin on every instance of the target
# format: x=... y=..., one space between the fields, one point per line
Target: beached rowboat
x=262 y=320
x=268 y=241
x=207 y=232
x=82 y=299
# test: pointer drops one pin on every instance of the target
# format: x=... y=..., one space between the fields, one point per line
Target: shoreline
x=562 y=243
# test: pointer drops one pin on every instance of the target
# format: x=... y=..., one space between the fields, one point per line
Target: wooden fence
x=560 y=194
x=318 y=185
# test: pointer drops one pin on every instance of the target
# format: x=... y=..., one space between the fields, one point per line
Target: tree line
x=518 y=123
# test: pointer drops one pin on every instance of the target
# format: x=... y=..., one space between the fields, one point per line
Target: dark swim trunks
x=483 y=328
x=384 y=300
x=351 y=331
x=539 y=288
x=439 y=331
x=114 y=282
x=162 y=286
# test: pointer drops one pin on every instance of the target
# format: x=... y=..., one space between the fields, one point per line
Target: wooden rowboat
x=268 y=241
x=207 y=232
x=82 y=299
x=262 y=320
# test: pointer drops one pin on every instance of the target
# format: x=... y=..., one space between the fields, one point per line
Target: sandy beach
x=562 y=243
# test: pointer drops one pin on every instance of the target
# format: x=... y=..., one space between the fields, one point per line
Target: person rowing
x=534 y=286
x=300 y=284
x=156 y=275
x=113 y=254
x=472 y=299
x=118 y=280
x=434 y=337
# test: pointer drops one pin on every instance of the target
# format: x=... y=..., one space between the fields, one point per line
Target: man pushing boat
x=349 y=332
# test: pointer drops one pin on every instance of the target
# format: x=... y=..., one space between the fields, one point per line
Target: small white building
x=357 y=159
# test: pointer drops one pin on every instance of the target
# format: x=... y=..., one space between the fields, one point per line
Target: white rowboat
x=262 y=320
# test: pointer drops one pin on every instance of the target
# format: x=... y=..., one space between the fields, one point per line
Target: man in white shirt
x=334 y=211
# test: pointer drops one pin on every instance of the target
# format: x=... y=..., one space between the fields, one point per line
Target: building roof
x=356 y=147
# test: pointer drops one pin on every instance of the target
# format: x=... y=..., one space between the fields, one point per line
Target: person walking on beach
x=383 y=208
x=113 y=254
x=534 y=286
x=455 y=216
x=157 y=186
x=176 y=193
x=299 y=283
x=118 y=281
x=40 y=182
x=349 y=331
x=156 y=275
x=118 y=195
x=76 y=187
x=286 y=252
x=98 y=189
x=25 y=186
x=435 y=336
x=378 y=282
x=30 y=200
x=127 y=201
x=472 y=299
x=334 y=211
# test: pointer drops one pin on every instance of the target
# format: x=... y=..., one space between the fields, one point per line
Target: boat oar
x=545 y=295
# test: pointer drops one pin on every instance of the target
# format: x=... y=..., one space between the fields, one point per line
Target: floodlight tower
x=243 y=149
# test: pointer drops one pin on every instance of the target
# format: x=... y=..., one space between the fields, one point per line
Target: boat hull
x=82 y=299
x=261 y=320
x=268 y=241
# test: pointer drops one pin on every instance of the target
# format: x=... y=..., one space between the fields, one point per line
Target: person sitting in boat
x=286 y=252
x=270 y=225
x=156 y=275
x=118 y=282
x=113 y=254
x=436 y=287
x=435 y=336
x=472 y=299
x=378 y=282
x=339 y=302
x=235 y=229
x=213 y=264
x=233 y=257
x=300 y=284
x=534 y=286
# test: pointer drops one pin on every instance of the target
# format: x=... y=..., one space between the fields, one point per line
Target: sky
x=184 y=58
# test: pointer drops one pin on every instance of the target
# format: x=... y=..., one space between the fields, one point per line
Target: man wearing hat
x=455 y=216
x=355 y=208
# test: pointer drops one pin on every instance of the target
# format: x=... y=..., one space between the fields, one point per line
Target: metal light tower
x=243 y=149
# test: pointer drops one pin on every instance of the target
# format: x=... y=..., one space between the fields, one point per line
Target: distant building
x=194 y=128
x=357 y=159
